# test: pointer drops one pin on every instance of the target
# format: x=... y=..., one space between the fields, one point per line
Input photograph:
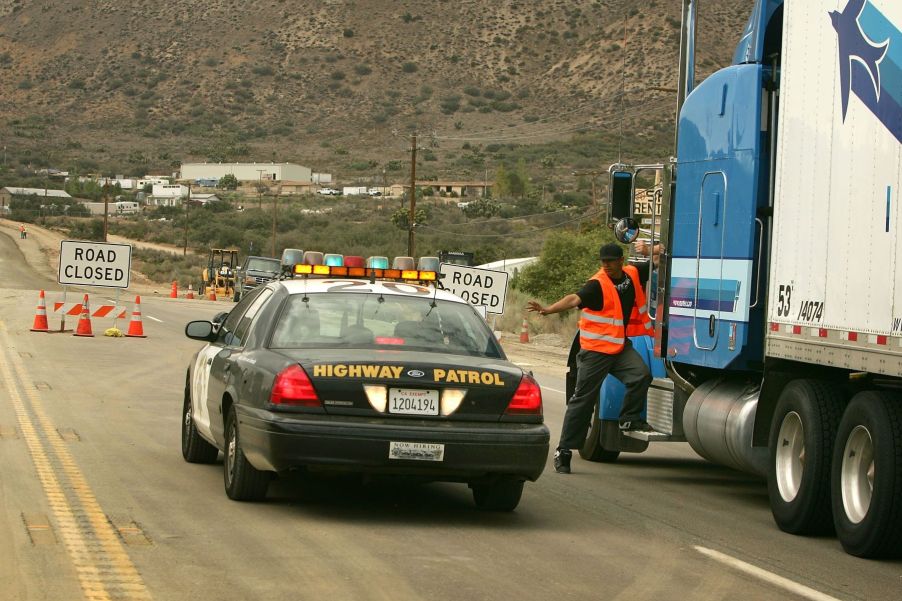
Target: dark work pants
x=592 y=367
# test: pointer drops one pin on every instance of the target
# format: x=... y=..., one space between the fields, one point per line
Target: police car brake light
x=293 y=388
x=527 y=400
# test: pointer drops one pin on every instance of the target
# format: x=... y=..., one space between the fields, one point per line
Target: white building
x=167 y=195
x=113 y=208
x=6 y=194
x=153 y=180
x=246 y=172
x=322 y=179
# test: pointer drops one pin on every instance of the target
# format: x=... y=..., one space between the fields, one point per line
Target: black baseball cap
x=610 y=251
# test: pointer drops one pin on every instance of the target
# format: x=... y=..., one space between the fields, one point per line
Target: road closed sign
x=94 y=264
x=479 y=287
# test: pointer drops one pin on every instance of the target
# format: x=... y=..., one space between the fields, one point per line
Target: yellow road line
x=103 y=567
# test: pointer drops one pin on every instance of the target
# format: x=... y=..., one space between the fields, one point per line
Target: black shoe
x=562 y=461
x=636 y=425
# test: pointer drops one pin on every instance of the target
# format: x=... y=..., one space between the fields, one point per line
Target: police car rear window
x=362 y=321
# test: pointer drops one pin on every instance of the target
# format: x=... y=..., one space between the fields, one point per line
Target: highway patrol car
x=361 y=369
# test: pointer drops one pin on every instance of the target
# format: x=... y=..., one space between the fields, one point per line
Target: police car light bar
x=367 y=272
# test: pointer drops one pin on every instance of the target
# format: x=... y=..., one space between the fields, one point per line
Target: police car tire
x=592 y=450
x=879 y=532
x=500 y=495
x=194 y=448
x=818 y=406
x=245 y=482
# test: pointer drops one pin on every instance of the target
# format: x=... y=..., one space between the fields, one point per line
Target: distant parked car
x=374 y=192
x=328 y=192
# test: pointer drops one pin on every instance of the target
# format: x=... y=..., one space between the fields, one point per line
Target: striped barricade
x=99 y=311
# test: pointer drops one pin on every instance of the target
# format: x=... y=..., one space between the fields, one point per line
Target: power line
x=514 y=234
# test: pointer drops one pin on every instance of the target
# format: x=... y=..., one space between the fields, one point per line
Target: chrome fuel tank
x=719 y=419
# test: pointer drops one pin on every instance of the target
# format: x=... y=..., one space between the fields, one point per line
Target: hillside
x=336 y=84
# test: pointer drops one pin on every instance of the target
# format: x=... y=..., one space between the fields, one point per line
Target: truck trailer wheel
x=592 y=449
x=866 y=483
x=801 y=448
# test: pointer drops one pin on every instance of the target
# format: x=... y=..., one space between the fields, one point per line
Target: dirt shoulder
x=41 y=250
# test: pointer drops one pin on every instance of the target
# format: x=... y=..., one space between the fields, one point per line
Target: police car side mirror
x=626 y=230
x=199 y=330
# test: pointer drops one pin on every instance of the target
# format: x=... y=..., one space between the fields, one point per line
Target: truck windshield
x=376 y=321
x=271 y=265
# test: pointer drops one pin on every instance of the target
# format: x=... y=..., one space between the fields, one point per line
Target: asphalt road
x=96 y=502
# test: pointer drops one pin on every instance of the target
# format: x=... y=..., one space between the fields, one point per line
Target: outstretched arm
x=565 y=304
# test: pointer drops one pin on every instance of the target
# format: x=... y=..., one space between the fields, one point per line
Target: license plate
x=412 y=401
x=418 y=451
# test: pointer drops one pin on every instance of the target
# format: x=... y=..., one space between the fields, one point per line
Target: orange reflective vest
x=604 y=331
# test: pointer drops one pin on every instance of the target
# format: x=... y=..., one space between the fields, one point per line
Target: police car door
x=225 y=368
x=201 y=384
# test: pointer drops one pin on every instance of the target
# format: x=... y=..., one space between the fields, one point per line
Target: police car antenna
x=434 y=294
x=305 y=299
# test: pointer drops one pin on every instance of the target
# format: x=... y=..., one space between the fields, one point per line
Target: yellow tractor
x=219 y=274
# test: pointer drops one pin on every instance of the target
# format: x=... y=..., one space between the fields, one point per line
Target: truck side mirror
x=626 y=230
x=621 y=195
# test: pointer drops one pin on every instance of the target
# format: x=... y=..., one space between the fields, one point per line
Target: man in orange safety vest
x=613 y=308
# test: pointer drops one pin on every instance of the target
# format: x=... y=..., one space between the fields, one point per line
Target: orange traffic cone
x=174 y=293
x=40 y=316
x=524 y=331
x=84 y=322
x=190 y=294
x=136 y=326
x=212 y=295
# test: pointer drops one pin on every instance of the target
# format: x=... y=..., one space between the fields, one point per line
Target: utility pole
x=260 y=189
x=275 y=201
x=106 y=212
x=413 y=193
x=187 y=210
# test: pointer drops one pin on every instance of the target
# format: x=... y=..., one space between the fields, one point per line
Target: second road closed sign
x=94 y=264
x=479 y=287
